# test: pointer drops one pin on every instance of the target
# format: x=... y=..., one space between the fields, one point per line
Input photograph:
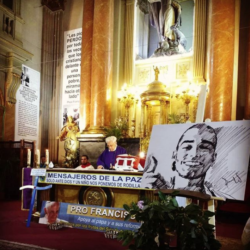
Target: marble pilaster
x=221 y=56
x=56 y=79
x=101 y=72
x=46 y=75
x=129 y=39
x=199 y=43
x=86 y=62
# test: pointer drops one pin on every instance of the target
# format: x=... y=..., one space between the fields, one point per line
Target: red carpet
x=13 y=228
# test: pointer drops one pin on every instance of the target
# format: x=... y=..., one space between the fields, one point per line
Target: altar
x=108 y=188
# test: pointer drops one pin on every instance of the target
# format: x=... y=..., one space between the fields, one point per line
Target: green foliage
x=164 y=218
x=174 y=119
x=117 y=129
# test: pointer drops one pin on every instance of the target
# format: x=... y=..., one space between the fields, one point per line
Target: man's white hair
x=49 y=204
x=111 y=139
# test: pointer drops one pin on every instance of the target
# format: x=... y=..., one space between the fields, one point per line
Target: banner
x=90 y=179
x=27 y=105
x=95 y=218
x=71 y=74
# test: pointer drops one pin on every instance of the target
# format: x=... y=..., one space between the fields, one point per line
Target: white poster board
x=209 y=157
x=201 y=104
x=27 y=105
x=72 y=74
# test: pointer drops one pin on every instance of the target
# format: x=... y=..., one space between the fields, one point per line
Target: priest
x=108 y=157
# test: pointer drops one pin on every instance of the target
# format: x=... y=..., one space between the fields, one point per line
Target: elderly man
x=194 y=155
x=107 y=159
x=51 y=212
x=85 y=165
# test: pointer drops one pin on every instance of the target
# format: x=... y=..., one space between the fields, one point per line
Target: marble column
x=101 y=72
x=149 y=119
x=129 y=37
x=162 y=112
x=46 y=75
x=199 y=43
x=142 y=119
x=56 y=80
x=86 y=62
x=222 y=21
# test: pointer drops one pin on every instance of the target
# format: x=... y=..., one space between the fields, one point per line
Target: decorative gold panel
x=95 y=196
x=144 y=74
x=182 y=69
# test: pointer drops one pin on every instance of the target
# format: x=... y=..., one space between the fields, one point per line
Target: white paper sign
x=72 y=74
x=38 y=172
x=27 y=106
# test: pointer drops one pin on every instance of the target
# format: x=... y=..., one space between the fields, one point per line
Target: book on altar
x=125 y=162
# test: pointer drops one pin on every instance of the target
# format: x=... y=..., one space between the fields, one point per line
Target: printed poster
x=72 y=74
x=27 y=105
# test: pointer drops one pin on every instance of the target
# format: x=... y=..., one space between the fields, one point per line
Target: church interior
x=74 y=72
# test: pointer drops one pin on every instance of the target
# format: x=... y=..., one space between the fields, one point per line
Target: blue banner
x=95 y=218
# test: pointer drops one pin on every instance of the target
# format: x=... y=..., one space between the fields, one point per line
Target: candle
x=37 y=157
x=47 y=156
x=28 y=157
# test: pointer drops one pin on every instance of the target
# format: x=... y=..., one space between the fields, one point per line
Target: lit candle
x=47 y=156
x=28 y=157
x=37 y=157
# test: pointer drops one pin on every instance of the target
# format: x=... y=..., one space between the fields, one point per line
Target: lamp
x=127 y=99
x=188 y=92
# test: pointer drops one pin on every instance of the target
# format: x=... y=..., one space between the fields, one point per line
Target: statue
x=69 y=134
x=157 y=72
x=165 y=16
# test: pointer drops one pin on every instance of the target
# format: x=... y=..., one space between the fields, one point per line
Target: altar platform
x=109 y=188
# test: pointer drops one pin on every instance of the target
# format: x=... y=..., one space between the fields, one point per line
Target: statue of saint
x=165 y=16
x=69 y=134
x=157 y=72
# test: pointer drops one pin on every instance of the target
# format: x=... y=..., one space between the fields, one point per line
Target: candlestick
x=47 y=156
x=37 y=157
x=28 y=157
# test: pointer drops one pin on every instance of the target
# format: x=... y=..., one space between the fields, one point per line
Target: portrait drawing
x=211 y=158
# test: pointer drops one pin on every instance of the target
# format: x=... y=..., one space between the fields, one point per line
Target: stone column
x=86 y=61
x=101 y=76
x=149 y=119
x=56 y=80
x=142 y=119
x=199 y=43
x=129 y=37
x=46 y=75
x=162 y=112
x=221 y=53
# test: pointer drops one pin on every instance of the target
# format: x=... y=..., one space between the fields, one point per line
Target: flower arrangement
x=119 y=129
x=163 y=222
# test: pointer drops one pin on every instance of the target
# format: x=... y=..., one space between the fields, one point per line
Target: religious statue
x=157 y=72
x=165 y=16
x=69 y=134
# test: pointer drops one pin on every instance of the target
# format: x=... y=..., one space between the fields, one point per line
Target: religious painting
x=211 y=158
